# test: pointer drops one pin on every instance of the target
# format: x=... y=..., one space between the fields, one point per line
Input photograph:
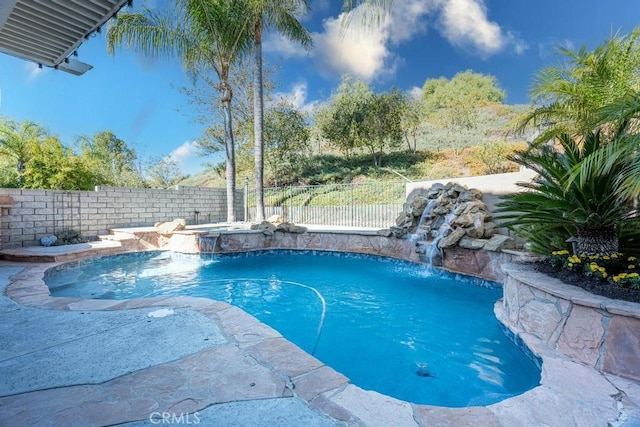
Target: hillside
x=440 y=153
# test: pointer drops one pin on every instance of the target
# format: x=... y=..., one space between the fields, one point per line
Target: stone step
x=61 y=253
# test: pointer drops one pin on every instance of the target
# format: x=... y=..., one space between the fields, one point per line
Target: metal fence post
x=246 y=199
x=352 y=206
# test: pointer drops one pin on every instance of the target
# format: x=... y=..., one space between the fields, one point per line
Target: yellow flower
x=631 y=266
x=631 y=258
x=606 y=257
x=570 y=265
x=616 y=279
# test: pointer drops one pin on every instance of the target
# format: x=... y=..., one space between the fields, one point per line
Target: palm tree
x=623 y=117
x=571 y=96
x=210 y=34
x=281 y=15
x=552 y=209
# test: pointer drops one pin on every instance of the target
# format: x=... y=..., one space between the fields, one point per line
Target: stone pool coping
x=570 y=392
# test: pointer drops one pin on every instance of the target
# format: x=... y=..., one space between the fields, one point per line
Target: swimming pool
x=391 y=326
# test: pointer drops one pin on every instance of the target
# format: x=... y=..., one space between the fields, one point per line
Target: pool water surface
x=398 y=328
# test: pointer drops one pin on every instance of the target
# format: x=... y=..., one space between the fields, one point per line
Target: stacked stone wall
x=38 y=213
x=597 y=331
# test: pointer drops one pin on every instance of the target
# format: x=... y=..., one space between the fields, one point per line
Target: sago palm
x=209 y=34
x=623 y=117
x=281 y=15
x=551 y=208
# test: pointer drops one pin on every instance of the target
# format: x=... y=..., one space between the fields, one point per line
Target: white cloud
x=276 y=43
x=367 y=51
x=408 y=19
x=187 y=149
x=353 y=49
x=465 y=24
x=186 y=157
x=33 y=70
x=297 y=96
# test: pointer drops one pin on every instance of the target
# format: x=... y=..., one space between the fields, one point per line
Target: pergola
x=48 y=32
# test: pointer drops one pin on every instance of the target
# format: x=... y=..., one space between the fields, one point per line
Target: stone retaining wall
x=38 y=213
x=243 y=241
x=478 y=263
x=598 y=331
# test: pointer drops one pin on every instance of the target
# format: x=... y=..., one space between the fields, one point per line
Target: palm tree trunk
x=258 y=121
x=599 y=241
x=230 y=151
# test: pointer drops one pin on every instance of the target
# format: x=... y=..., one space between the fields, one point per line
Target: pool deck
x=70 y=361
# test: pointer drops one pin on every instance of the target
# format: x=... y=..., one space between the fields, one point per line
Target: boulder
x=48 y=240
x=470 y=195
x=499 y=242
x=264 y=225
x=297 y=229
x=171 y=226
x=418 y=204
x=451 y=239
x=288 y=227
x=470 y=243
x=276 y=219
x=465 y=220
x=398 y=232
x=441 y=210
x=384 y=232
x=489 y=229
x=404 y=220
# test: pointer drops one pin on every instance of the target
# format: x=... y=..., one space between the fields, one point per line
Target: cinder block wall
x=38 y=213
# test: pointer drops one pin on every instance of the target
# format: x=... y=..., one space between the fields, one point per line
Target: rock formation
x=270 y=227
x=170 y=227
x=446 y=216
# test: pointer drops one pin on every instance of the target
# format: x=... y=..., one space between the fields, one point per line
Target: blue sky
x=138 y=99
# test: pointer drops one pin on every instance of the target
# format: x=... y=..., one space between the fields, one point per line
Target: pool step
x=61 y=253
x=131 y=241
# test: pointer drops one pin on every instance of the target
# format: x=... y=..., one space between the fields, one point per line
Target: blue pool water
x=391 y=326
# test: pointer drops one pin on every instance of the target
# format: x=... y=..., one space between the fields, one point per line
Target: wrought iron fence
x=365 y=204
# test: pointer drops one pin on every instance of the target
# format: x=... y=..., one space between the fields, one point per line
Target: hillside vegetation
x=456 y=127
x=439 y=153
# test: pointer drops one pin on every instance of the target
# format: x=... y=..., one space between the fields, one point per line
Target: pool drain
x=422 y=369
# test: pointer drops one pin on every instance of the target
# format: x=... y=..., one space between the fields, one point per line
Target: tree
x=286 y=142
x=382 y=124
x=355 y=118
x=209 y=34
x=163 y=172
x=200 y=95
x=570 y=96
x=412 y=117
x=341 y=121
x=454 y=104
x=600 y=90
x=53 y=166
x=17 y=140
x=111 y=157
x=281 y=15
